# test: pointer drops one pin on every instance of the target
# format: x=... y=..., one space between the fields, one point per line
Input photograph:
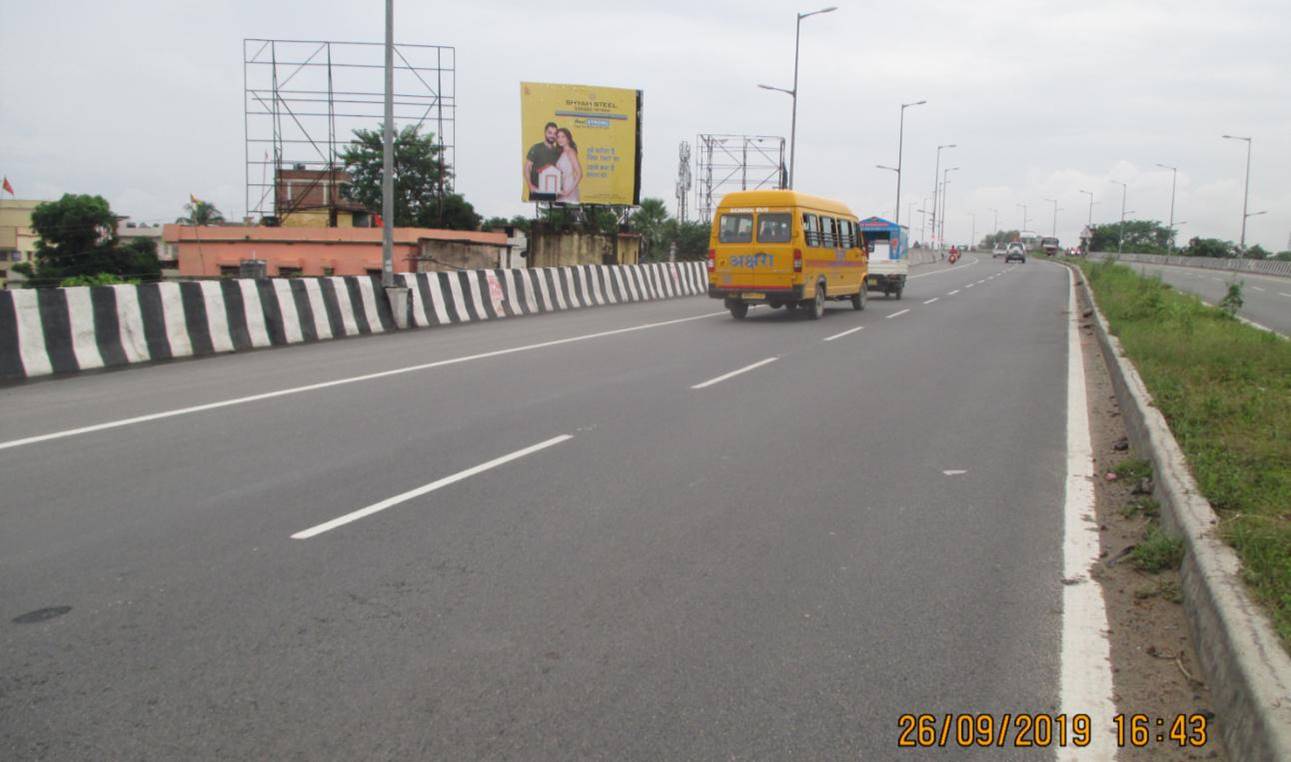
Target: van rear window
x=774 y=227
x=735 y=228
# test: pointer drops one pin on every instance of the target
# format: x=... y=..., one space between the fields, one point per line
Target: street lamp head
x=777 y=89
x=916 y=103
x=830 y=9
x=1257 y=214
x=884 y=166
x=1167 y=166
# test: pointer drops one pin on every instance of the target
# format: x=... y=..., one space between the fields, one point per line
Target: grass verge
x=1225 y=389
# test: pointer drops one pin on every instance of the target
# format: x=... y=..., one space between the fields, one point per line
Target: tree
x=452 y=212
x=1283 y=256
x=1255 y=252
x=1141 y=236
x=691 y=239
x=201 y=213
x=78 y=237
x=1001 y=237
x=1209 y=247
x=648 y=220
x=421 y=196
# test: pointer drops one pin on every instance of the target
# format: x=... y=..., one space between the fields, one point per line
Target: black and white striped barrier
x=62 y=330
x=441 y=298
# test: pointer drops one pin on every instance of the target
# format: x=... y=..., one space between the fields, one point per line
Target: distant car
x=1015 y=252
x=998 y=251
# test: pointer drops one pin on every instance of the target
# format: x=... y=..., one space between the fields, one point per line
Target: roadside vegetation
x=1225 y=389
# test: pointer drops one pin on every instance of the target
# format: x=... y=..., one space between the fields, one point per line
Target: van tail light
x=712 y=260
x=797 y=260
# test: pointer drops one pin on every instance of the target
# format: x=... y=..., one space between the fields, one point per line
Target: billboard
x=580 y=144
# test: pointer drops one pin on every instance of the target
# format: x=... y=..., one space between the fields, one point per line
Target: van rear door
x=773 y=263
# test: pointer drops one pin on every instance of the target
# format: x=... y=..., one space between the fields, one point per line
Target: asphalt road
x=772 y=566
x=1266 y=299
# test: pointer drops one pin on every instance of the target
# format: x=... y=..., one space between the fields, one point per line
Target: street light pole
x=1120 y=244
x=1054 y=201
x=387 y=158
x=793 y=122
x=1174 y=176
x=936 y=179
x=945 y=181
x=1246 y=195
x=972 y=239
x=901 y=153
x=1024 y=219
x=1090 y=223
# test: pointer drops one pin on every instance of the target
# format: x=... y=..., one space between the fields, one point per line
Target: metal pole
x=793 y=121
x=995 y=226
x=1120 y=244
x=1054 y=201
x=1174 y=176
x=1246 y=195
x=387 y=159
x=941 y=233
x=936 y=191
x=1090 y=222
x=901 y=153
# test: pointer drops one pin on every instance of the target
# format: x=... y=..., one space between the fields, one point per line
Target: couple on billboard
x=552 y=169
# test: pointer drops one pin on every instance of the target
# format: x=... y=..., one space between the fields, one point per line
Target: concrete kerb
x=1248 y=671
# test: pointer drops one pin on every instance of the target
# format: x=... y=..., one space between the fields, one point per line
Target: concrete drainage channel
x=1244 y=662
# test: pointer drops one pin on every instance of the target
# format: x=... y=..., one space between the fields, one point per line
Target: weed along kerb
x=785 y=249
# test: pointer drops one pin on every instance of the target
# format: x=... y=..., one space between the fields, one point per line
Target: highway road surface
x=1266 y=299
x=647 y=531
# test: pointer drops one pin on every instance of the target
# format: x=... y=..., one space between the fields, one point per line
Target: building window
x=329 y=272
x=375 y=273
x=288 y=272
x=230 y=271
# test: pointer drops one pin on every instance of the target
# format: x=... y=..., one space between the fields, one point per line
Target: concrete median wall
x=67 y=330
x=1257 y=266
x=64 y=330
x=459 y=297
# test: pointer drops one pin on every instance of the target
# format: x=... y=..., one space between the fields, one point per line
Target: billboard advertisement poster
x=580 y=144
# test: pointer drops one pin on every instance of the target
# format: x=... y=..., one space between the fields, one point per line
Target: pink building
x=213 y=251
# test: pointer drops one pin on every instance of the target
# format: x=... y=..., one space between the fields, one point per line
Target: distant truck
x=1050 y=246
x=888 y=246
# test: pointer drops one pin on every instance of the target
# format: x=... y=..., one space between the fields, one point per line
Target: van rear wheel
x=858 y=299
x=739 y=309
x=816 y=307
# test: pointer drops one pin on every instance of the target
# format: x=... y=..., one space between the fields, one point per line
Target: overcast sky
x=141 y=102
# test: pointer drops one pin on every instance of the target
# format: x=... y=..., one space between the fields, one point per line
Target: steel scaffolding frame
x=730 y=161
x=336 y=87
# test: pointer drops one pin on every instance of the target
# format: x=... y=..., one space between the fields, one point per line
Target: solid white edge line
x=930 y=301
x=896 y=314
x=734 y=373
x=426 y=489
x=340 y=382
x=844 y=333
x=1086 y=670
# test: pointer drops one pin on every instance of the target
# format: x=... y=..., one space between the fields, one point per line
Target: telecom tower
x=683 y=180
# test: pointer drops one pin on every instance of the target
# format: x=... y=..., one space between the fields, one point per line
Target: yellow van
x=785 y=249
